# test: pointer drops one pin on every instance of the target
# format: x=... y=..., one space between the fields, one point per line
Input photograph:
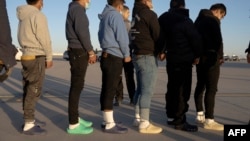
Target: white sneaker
x=213 y=126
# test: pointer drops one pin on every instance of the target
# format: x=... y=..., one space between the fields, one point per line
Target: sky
x=235 y=26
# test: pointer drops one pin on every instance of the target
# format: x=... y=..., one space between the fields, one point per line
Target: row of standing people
x=172 y=35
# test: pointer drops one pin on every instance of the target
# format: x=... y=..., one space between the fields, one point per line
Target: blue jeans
x=146 y=75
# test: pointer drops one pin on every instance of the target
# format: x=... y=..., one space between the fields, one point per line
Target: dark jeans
x=78 y=60
x=207 y=79
x=178 y=91
x=111 y=67
x=33 y=76
x=129 y=75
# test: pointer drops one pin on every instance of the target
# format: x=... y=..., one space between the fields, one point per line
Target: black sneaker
x=116 y=130
x=36 y=130
x=186 y=127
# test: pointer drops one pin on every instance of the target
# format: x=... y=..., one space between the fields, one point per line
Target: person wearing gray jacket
x=34 y=38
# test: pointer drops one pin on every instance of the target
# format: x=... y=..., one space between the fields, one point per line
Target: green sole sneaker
x=80 y=130
x=85 y=123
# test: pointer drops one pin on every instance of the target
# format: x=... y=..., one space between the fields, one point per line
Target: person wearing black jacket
x=208 y=70
x=145 y=31
x=181 y=43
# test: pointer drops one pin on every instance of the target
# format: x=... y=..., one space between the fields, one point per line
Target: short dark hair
x=31 y=2
x=125 y=7
x=219 y=6
x=177 y=3
x=115 y=2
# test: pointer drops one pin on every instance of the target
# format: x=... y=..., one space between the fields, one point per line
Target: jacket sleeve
x=121 y=34
x=82 y=29
x=248 y=49
x=194 y=38
x=43 y=36
x=161 y=42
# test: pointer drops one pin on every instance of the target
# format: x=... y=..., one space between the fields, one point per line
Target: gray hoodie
x=33 y=33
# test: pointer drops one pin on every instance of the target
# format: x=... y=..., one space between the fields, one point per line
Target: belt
x=30 y=57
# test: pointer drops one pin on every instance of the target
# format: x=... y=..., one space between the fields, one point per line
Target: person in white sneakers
x=208 y=69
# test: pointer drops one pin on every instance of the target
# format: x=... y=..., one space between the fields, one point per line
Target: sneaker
x=36 y=130
x=116 y=130
x=186 y=127
x=85 y=123
x=213 y=126
x=151 y=129
x=37 y=123
x=136 y=122
x=103 y=125
x=81 y=129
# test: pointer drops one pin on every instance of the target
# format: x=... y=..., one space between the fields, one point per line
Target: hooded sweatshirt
x=209 y=28
x=33 y=33
x=145 y=30
x=113 y=35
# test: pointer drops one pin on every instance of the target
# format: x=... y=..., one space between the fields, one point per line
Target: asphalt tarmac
x=232 y=106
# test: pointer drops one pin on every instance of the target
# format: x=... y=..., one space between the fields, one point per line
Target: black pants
x=207 y=80
x=178 y=91
x=130 y=81
x=78 y=60
x=111 y=67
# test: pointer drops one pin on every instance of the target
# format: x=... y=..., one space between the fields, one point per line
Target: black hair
x=177 y=3
x=31 y=2
x=115 y=2
x=219 y=6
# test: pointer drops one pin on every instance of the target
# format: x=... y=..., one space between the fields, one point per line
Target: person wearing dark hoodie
x=81 y=54
x=145 y=30
x=7 y=49
x=34 y=38
x=180 y=42
x=208 y=70
x=113 y=39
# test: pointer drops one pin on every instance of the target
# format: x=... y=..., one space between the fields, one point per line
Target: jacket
x=77 y=28
x=33 y=32
x=209 y=28
x=179 y=38
x=145 y=30
x=112 y=34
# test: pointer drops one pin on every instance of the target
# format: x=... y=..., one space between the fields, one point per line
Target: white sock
x=73 y=126
x=201 y=113
x=28 y=125
x=200 y=116
x=109 y=120
x=137 y=117
x=144 y=123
